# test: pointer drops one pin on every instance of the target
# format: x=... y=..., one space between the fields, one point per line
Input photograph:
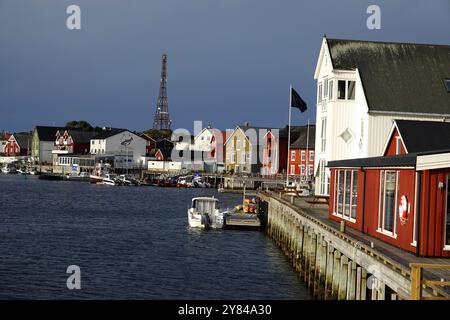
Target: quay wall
x=332 y=264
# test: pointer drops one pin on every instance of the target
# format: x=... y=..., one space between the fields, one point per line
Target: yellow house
x=241 y=150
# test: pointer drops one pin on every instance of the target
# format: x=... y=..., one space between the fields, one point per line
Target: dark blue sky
x=230 y=61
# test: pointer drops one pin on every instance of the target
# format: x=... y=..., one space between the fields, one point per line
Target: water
x=130 y=243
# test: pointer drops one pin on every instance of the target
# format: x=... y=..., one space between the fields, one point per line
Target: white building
x=126 y=147
x=363 y=86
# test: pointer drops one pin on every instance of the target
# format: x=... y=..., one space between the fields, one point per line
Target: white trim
x=387 y=233
x=446 y=248
x=431 y=115
x=344 y=217
x=394 y=126
x=447 y=176
x=433 y=161
x=416 y=209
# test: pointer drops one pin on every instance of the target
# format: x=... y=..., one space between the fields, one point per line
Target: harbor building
x=402 y=197
x=242 y=149
x=123 y=146
x=362 y=86
x=43 y=143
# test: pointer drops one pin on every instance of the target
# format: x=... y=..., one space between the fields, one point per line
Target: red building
x=151 y=143
x=301 y=156
x=403 y=196
x=74 y=141
x=18 y=144
x=275 y=149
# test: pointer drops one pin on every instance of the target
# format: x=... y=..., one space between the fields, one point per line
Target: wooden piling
x=336 y=272
x=329 y=272
x=343 y=276
x=312 y=260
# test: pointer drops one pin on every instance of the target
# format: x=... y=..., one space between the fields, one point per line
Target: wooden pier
x=344 y=266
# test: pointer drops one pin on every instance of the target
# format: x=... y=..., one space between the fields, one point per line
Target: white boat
x=204 y=213
x=6 y=170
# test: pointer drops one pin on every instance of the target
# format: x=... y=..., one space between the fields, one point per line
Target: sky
x=229 y=61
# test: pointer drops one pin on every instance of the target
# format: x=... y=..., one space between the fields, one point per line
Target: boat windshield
x=204 y=206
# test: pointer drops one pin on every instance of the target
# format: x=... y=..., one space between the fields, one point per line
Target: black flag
x=297 y=101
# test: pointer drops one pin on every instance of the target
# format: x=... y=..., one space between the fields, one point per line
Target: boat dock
x=345 y=264
x=244 y=220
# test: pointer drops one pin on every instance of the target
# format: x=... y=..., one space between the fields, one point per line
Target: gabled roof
x=108 y=132
x=23 y=139
x=79 y=136
x=47 y=133
x=397 y=77
x=305 y=139
x=423 y=136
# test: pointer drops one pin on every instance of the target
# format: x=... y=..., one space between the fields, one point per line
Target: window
x=319 y=94
x=398 y=145
x=347 y=135
x=447 y=220
x=292 y=169
x=302 y=169
x=330 y=89
x=388 y=199
x=351 y=90
x=323 y=134
x=303 y=155
x=346 y=195
x=322 y=177
x=361 y=136
x=325 y=88
x=341 y=90
x=447 y=84
x=293 y=155
x=311 y=155
x=238 y=145
x=310 y=170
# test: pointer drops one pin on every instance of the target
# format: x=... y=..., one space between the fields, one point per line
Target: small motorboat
x=6 y=170
x=204 y=213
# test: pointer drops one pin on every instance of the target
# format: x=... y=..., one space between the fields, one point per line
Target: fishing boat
x=204 y=213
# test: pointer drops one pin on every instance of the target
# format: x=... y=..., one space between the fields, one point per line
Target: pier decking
x=344 y=265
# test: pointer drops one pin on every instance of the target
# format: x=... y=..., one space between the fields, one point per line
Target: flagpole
x=307 y=151
x=289 y=136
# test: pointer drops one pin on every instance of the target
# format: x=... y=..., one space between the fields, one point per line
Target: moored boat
x=204 y=213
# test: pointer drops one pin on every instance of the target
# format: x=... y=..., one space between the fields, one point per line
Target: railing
x=417 y=281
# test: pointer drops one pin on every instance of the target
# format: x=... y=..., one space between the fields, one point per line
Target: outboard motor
x=206 y=220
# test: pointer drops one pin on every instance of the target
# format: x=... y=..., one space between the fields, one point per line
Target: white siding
x=380 y=126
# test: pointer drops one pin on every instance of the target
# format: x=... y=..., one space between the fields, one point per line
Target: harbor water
x=130 y=243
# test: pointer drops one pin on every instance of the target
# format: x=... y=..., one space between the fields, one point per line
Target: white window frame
x=381 y=207
x=330 y=89
x=336 y=212
x=323 y=135
x=398 y=145
x=303 y=155
x=292 y=172
x=311 y=155
x=319 y=92
x=302 y=169
x=292 y=155
x=446 y=246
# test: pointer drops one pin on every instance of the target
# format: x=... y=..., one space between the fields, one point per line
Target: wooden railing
x=418 y=282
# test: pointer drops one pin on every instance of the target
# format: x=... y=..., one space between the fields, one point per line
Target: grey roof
x=424 y=136
x=23 y=139
x=108 y=132
x=81 y=137
x=388 y=161
x=397 y=77
x=47 y=133
x=295 y=132
x=304 y=138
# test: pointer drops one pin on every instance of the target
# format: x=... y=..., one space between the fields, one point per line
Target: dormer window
x=447 y=84
x=398 y=145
